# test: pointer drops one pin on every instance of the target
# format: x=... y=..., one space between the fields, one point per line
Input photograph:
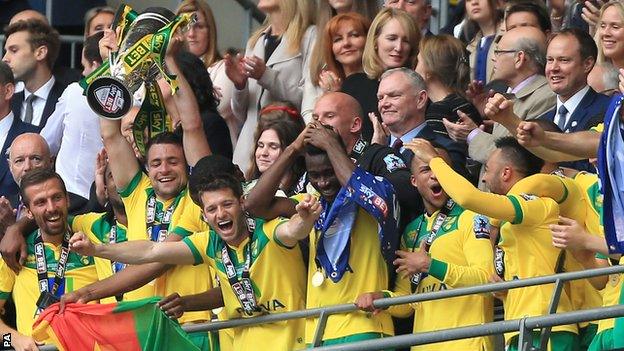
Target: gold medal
x=317 y=279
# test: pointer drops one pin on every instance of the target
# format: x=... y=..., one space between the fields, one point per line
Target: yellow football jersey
x=368 y=273
x=525 y=239
x=80 y=271
x=97 y=228
x=461 y=255
x=185 y=280
x=278 y=278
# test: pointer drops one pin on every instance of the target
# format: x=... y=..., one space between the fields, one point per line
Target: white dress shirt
x=5 y=126
x=39 y=103
x=571 y=104
x=73 y=134
x=407 y=137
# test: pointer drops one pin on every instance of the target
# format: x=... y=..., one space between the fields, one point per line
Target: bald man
x=519 y=60
x=27 y=152
x=29 y=15
x=343 y=113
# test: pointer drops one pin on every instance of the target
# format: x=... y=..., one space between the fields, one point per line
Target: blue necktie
x=562 y=112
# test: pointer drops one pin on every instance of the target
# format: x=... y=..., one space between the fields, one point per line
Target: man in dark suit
x=402 y=101
x=571 y=55
x=31 y=50
x=10 y=128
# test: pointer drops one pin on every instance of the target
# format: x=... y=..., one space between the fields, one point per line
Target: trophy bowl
x=112 y=96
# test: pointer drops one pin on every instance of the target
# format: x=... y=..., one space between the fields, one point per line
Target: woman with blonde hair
x=272 y=67
x=392 y=42
x=610 y=33
x=201 y=41
x=443 y=64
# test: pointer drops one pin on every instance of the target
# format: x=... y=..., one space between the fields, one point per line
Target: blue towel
x=611 y=173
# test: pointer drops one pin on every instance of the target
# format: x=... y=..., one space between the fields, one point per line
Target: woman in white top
x=272 y=68
x=201 y=41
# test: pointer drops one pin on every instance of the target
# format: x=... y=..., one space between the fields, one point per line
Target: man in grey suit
x=519 y=62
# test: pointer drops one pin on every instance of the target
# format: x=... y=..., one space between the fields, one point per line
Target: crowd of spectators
x=347 y=154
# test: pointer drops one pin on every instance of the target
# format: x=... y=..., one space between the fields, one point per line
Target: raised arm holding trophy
x=142 y=41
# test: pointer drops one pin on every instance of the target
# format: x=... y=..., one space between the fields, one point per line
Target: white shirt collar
x=6 y=121
x=5 y=126
x=409 y=135
x=572 y=103
x=42 y=92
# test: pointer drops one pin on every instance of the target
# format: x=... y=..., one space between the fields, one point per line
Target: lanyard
x=158 y=231
x=437 y=224
x=50 y=293
x=112 y=239
x=242 y=287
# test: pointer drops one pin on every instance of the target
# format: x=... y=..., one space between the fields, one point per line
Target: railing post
x=320 y=329
x=552 y=308
x=525 y=338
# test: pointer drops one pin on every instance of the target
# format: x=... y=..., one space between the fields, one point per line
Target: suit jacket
x=455 y=150
x=283 y=80
x=8 y=187
x=589 y=112
x=531 y=102
x=55 y=94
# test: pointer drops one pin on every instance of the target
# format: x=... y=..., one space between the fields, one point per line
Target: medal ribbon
x=242 y=287
x=42 y=269
x=112 y=239
x=437 y=224
x=157 y=232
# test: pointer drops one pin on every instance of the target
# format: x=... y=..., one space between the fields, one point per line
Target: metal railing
x=72 y=40
x=524 y=326
x=324 y=312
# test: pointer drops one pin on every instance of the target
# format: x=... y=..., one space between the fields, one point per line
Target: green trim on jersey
x=519 y=217
x=74 y=260
x=593 y=193
x=559 y=341
x=101 y=229
x=129 y=189
x=278 y=241
x=449 y=225
x=602 y=341
x=181 y=232
x=260 y=240
x=197 y=257
x=565 y=191
x=438 y=269
x=353 y=338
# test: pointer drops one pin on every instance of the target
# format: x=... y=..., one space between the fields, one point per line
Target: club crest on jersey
x=481 y=227
x=449 y=222
x=394 y=162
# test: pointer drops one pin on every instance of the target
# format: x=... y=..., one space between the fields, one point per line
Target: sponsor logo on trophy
x=142 y=41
